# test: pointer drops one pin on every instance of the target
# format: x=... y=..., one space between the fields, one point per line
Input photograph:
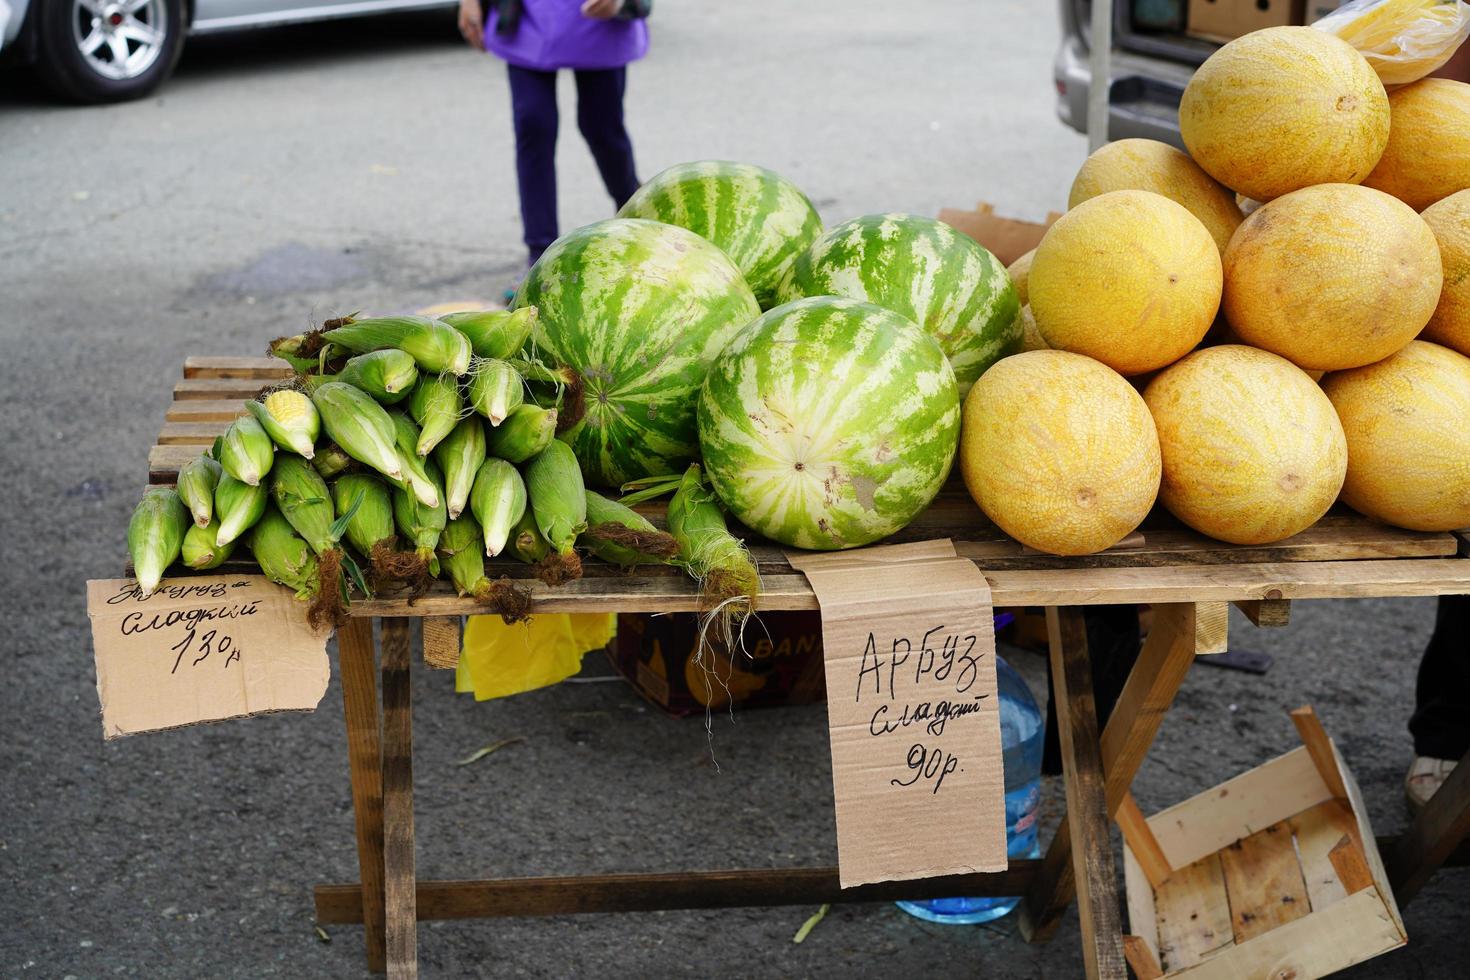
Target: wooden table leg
x=1087 y=812
x=360 y=706
x=1162 y=665
x=399 y=879
x=1440 y=827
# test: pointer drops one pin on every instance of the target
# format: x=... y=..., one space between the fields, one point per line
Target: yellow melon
x=1059 y=451
x=1331 y=277
x=1148 y=165
x=1408 y=437
x=1284 y=108
x=1031 y=338
x=1450 y=222
x=1252 y=448
x=1020 y=271
x=1428 y=154
x=1130 y=278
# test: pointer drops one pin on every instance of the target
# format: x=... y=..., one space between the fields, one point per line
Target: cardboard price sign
x=912 y=710
x=201 y=649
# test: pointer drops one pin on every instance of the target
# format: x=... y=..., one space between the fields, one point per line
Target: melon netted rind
x=1407 y=437
x=1428 y=154
x=1450 y=221
x=761 y=220
x=638 y=310
x=829 y=423
x=924 y=270
x=1252 y=449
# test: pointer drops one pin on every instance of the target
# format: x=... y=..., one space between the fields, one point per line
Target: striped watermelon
x=761 y=220
x=829 y=423
x=636 y=310
x=941 y=279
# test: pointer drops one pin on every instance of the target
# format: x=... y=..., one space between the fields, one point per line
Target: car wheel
x=108 y=50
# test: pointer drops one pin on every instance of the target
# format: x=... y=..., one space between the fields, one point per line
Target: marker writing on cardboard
x=950 y=659
x=196 y=646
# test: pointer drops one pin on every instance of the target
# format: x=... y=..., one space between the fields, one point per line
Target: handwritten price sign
x=913 y=712
x=201 y=650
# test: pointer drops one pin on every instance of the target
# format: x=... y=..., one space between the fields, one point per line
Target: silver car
x=111 y=50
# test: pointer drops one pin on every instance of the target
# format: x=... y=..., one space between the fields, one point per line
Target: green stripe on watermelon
x=637 y=310
x=829 y=423
x=758 y=218
x=923 y=269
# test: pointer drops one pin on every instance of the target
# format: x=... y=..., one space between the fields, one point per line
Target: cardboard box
x=1007 y=238
x=781 y=662
x=1225 y=20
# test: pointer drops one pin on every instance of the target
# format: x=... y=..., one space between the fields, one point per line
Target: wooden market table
x=1188 y=579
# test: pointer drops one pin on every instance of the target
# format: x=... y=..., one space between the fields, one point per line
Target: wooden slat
x=364 y=759
x=1441 y=826
x=217 y=389
x=223 y=366
x=588 y=894
x=1263 y=880
x=1319 y=747
x=1139 y=896
x=1365 y=835
x=1317 y=831
x=222 y=411
x=1350 y=864
x=164 y=462
x=1211 y=627
x=1193 y=914
x=399 y=882
x=1268 y=613
x=1141 y=841
x=194 y=434
x=1141 y=959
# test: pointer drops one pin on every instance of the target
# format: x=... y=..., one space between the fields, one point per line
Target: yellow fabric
x=499 y=660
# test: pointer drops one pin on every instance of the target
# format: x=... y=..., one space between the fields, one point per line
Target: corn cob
x=372 y=523
x=495 y=389
x=622 y=536
x=155 y=535
x=197 y=480
x=331 y=461
x=715 y=557
x=436 y=406
x=558 y=498
x=284 y=556
x=526 y=542
x=202 y=550
x=388 y=375
x=459 y=457
x=495 y=333
x=300 y=351
x=436 y=347
x=498 y=500
x=459 y=553
x=238 y=507
x=416 y=478
x=301 y=495
x=290 y=419
x=245 y=451
x=359 y=426
x=525 y=433
x=420 y=523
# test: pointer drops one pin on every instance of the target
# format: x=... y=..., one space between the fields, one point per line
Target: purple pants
x=600 y=120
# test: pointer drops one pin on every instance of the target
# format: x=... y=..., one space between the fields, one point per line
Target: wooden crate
x=1272 y=874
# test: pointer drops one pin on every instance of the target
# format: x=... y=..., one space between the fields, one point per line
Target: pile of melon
x=1246 y=372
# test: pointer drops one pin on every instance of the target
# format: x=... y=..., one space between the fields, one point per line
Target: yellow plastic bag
x=1403 y=40
x=498 y=660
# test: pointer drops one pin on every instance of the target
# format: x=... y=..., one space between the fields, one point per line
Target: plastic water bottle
x=1021 y=734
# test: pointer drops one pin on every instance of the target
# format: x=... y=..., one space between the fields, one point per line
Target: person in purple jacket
x=596 y=39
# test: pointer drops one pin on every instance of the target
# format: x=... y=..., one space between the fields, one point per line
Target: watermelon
x=829 y=423
x=921 y=268
x=759 y=218
x=632 y=312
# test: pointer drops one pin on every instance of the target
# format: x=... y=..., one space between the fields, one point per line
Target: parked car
x=112 y=50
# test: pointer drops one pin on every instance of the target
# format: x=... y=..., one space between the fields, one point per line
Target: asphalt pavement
x=284 y=176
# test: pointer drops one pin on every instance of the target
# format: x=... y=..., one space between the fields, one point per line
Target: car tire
x=108 y=50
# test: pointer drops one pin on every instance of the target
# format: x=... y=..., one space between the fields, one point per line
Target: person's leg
x=1113 y=642
x=533 y=111
x=600 y=118
x=1441 y=721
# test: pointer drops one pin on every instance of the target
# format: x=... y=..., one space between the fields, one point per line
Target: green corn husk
x=622 y=536
x=202 y=550
x=420 y=523
x=715 y=557
x=495 y=333
x=558 y=498
x=372 y=522
x=245 y=451
x=495 y=389
x=435 y=346
x=284 y=556
x=331 y=461
x=526 y=432
x=526 y=542
x=498 y=500
x=290 y=419
x=238 y=507
x=359 y=426
x=156 y=535
x=436 y=406
x=406 y=435
x=388 y=375
x=459 y=457
x=302 y=497
x=197 y=480
x=459 y=554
